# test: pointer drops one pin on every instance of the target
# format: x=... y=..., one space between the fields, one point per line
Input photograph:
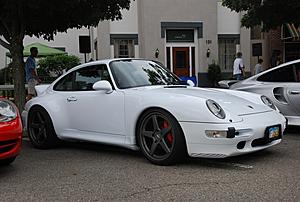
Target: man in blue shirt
x=31 y=73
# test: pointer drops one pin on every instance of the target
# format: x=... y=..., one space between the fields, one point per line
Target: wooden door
x=181 y=61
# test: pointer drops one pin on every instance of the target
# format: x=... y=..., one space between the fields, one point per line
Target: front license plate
x=274 y=132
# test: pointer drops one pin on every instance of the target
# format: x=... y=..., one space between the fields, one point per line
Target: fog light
x=216 y=134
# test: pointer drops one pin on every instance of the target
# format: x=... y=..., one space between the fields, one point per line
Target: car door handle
x=294 y=92
x=72 y=99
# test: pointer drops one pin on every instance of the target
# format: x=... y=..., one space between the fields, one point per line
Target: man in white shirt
x=238 y=67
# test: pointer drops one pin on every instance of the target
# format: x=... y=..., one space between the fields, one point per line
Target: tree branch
x=5 y=44
x=5 y=26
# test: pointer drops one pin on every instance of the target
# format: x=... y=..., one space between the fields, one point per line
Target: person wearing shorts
x=31 y=73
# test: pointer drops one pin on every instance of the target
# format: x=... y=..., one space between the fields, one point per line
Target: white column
x=136 y=51
x=112 y=51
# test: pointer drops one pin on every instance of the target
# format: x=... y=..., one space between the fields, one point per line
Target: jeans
x=238 y=76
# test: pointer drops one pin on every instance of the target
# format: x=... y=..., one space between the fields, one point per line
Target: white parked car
x=281 y=85
x=138 y=104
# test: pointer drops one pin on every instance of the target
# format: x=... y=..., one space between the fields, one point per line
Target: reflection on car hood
x=228 y=101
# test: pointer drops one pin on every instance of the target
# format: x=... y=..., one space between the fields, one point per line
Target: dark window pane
x=193 y=58
x=285 y=74
x=168 y=57
x=181 y=59
x=83 y=79
x=180 y=35
x=65 y=84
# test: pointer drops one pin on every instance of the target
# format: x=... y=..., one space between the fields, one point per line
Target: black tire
x=6 y=162
x=40 y=129
x=162 y=141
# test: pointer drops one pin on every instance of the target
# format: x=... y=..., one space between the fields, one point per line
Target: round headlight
x=216 y=109
x=7 y=111
x=268 y=102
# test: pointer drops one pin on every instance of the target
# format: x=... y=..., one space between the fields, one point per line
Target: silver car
x=280 y=84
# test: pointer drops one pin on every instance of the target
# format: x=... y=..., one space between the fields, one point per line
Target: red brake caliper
x=169 y=136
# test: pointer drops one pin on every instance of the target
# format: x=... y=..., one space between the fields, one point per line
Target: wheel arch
x=154 y=108
x=35 y=106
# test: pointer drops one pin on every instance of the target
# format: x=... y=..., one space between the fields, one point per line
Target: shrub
x=214 y=74
x=57 y=64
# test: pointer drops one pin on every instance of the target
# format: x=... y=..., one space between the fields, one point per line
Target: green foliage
x=46 y=18
x=270 y=13
x=56 y=64
x=214 y=74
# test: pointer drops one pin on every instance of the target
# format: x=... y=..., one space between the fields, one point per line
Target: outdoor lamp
x=208 y=53
x=156 y=53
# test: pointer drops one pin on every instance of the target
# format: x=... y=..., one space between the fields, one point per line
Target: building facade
x=186 y=36
x=68 y=42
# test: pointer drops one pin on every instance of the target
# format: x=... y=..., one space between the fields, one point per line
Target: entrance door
x=181 y=61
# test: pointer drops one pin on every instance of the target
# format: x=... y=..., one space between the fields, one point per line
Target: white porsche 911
x=138 y=104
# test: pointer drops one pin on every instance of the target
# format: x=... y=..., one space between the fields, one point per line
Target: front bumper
x=10 y=138
x=249 y=131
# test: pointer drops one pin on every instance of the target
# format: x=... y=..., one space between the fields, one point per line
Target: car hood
x=229 y=102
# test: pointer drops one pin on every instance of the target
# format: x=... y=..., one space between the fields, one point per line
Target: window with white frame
x=227 y=51
x=124 y=48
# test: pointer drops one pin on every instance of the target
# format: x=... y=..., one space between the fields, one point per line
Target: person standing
x=258 y=66
x=31 y=73
x=238 y=67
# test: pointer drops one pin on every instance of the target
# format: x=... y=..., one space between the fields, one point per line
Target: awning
x=43 y=50
x=293 y=31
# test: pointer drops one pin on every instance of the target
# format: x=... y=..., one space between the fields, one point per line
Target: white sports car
x=139 y=104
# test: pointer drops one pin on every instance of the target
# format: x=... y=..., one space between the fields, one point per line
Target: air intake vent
x=279 y=95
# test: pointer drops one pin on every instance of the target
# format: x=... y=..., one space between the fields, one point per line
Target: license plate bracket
x=273 y=132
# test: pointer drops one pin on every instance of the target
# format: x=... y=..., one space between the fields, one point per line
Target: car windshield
x=136 y=73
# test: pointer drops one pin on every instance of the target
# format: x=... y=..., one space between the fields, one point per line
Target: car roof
x=105 y=61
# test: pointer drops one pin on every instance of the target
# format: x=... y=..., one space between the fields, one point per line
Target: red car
x=10 y=132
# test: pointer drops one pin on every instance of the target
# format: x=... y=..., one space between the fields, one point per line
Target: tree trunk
x=18 y=72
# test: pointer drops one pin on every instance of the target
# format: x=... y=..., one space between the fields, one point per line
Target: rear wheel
x=8 y=161
x=40 y=129
x=160 y=138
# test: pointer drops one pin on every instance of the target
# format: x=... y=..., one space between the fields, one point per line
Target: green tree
x=43 y=18
x=270 y=13
x=57 y=64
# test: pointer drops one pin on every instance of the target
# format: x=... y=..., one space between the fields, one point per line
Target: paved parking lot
x=89 y=172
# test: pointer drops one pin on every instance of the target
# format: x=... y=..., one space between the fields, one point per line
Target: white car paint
x=285 y=94
x=111 y=118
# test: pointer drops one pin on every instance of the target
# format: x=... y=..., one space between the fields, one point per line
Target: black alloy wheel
x=40 y=129
x=161 y=138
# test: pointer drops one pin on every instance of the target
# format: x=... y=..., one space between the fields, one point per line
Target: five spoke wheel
x=160 y=137
x=40 y=129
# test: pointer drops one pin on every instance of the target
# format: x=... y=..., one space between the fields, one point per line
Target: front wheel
x=160 y=138
x=40 y=129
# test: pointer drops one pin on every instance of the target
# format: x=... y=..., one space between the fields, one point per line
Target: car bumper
x=249 y=132
x=10 y=138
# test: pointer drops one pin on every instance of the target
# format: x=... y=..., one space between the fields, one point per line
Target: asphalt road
x=89 y=172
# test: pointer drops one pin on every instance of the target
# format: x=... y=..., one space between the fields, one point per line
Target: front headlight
x=7 y=111
x=268 y=102
x=216 y=109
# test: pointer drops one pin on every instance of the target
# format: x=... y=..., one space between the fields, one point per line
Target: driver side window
x=83 y=79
